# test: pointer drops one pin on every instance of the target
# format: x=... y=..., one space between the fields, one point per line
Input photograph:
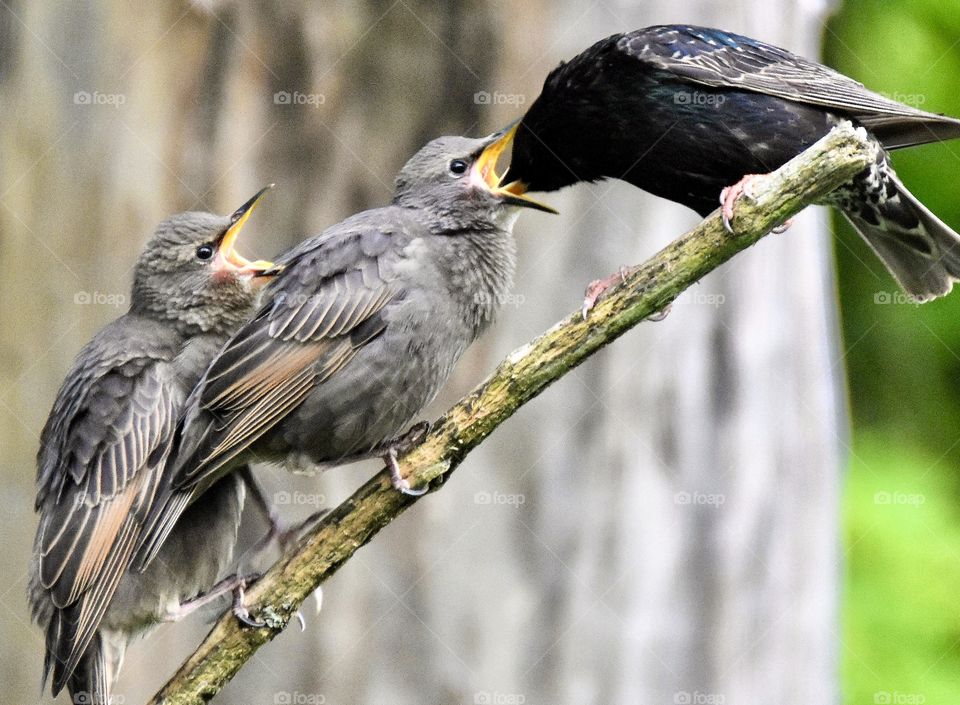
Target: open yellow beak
x=485 y=174
x=227 y=255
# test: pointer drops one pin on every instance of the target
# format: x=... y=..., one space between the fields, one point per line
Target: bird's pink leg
x=400 y=483
x=399 y=445
x=284 y=536
x=230 y=584
x=240 y=610
x=596 y=288
x=730 y=195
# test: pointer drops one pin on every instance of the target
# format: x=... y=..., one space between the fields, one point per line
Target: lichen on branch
x=646 y=290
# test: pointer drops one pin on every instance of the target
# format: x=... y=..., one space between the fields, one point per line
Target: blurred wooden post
x=596 y=561
x=646 y=294
x=701 y=457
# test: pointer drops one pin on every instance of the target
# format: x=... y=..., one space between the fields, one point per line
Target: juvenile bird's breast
x=474 y=271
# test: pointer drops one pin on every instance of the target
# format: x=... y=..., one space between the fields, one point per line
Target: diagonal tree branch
x=646 y=289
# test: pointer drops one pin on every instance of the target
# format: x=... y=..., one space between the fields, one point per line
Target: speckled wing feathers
x=724 y=60
x=323 y=310
x=98 y=472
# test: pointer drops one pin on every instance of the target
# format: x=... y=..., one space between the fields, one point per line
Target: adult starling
x=686 y=112
x=360 y=326
x=103 y=450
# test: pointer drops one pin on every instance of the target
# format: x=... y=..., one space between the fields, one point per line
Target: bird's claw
x=243 y=616
x=399 y=482
x=288 y=537
x=307 y=524
x=783 y=227
x=731 y=194
x=661 y=314
x=596 y=288
x=285 y=537
x=240 y=610
x=223 y=587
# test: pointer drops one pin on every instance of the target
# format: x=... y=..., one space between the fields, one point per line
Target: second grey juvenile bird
x=103 y=451
x=360 y=326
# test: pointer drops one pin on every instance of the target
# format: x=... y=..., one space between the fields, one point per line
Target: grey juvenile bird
x=103 y=450
x=361 y=326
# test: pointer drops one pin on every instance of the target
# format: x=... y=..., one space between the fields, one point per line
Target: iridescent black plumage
x=683 y=112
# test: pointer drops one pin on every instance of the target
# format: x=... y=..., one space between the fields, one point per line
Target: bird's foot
x=413 y=437
x=399 y=482
x=318 y=597
x=783 y=227
x=661 y=314
x=240 y=610
x=403 y=443
x=285 y=536
x=596 y=288
x=277 y=533
x=224 y=587
x=731 y=194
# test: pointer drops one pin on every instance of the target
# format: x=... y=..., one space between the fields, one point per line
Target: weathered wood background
x=659 y=527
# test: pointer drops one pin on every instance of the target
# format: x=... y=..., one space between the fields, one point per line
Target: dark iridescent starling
x=103 y=451
x=685 y=112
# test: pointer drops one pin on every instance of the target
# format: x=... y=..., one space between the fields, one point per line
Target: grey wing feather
x=317 y=314
x=98 y=472
x=320 y=311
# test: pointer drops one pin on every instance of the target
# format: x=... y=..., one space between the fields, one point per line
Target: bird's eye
x=205 y=252
x=458 y=167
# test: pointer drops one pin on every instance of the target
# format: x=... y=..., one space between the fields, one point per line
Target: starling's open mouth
x=227 y=256
x=485 y=175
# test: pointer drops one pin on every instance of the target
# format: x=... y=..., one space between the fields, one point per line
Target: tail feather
x=61 y=633
x=897 y=131
x=920 y=250
x=89 y=677
x=90 y=680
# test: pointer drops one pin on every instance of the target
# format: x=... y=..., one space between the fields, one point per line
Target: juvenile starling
x=360 y=326
x=686 y=112
x=103 y=450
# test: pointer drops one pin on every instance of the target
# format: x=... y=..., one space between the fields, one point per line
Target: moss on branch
x=646 y=289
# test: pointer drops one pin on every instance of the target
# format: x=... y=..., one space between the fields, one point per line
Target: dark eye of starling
x=458 y=167
x=205 y=252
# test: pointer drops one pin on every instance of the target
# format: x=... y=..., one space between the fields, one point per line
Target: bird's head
x=191 y=274
x=457 y=176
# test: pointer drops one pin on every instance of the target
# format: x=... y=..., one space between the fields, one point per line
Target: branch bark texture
x=646 y=290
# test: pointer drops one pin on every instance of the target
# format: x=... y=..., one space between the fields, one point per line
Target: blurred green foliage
x=901 y=621
x=903 y=359
x=901 y=625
